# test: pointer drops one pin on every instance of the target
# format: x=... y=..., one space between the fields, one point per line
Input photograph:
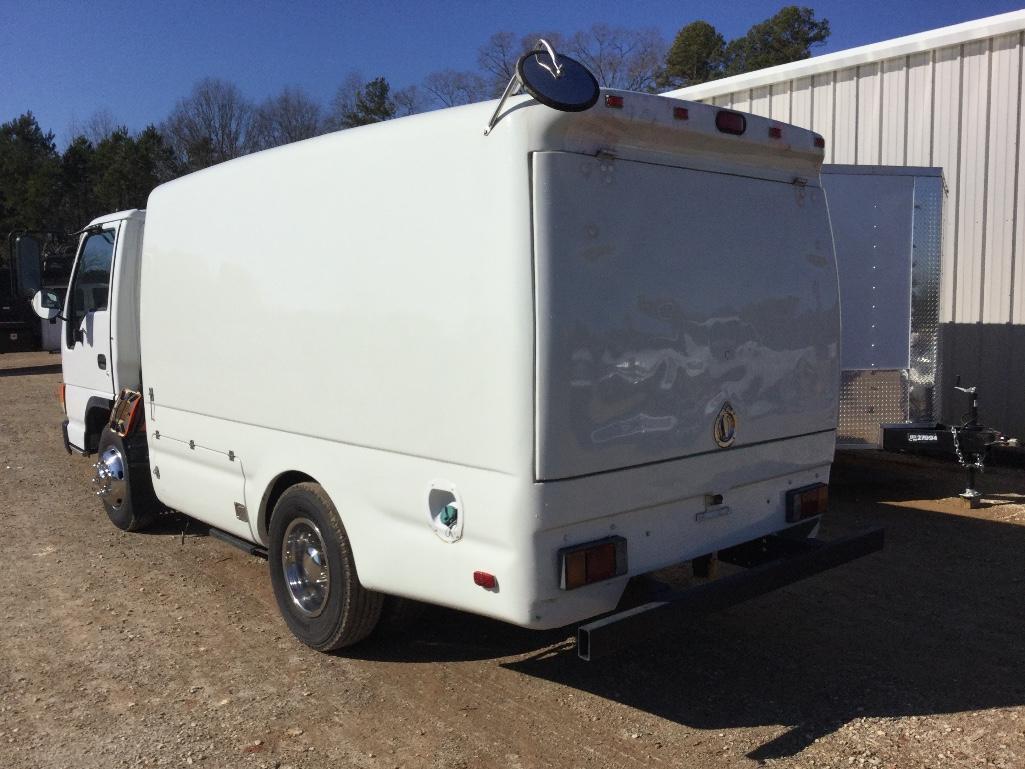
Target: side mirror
x=46 y=304
x=29 y=263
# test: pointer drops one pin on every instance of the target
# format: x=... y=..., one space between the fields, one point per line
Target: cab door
x=85 y=347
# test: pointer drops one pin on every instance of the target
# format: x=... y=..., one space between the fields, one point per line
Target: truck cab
x=100 y=331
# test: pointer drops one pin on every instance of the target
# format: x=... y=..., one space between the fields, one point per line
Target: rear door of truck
x=667 y=297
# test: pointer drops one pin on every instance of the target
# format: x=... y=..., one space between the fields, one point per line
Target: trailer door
x=678 y=312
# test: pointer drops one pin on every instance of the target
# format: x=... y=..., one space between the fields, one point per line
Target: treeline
x=106 y=167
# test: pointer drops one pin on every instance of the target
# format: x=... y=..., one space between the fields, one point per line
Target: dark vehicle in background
x=30 y=261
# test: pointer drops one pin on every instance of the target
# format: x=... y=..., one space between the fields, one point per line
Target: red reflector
x=485 y=580
x=614 y=101
x=681 y=113
x=730 y=122
x=806 y=502
x=775 y=132
x=820 y=142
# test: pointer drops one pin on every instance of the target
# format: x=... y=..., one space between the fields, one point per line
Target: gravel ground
x=166 y=648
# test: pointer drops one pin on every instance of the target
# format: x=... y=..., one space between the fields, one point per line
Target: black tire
x=131 y=505
x=325 y=612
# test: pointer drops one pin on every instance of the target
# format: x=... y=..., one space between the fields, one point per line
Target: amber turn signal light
x=592 y=562
x=807 y=501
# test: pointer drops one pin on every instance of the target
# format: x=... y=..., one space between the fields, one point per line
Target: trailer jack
x=969 y=444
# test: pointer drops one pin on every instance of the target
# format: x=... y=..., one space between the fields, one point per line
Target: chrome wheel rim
x=110 y=478
x=305 y=566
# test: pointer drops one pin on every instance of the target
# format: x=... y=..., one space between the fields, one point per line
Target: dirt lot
x=166 y=649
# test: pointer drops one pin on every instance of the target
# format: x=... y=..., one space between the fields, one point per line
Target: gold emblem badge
x=724 y=430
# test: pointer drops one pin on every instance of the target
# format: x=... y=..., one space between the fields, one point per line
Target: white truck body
x=543 y=326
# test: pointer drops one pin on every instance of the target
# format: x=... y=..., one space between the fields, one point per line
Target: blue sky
x=66 y=60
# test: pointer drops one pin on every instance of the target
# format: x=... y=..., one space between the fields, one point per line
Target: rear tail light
x=806 y=502
x=775 y=132
x=592 y=562
x=730 y=122
x=820 y=142
x=681 y=113
x=613 y=101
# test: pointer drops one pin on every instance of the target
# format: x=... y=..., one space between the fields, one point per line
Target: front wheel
x=123 y=483
x=314 y=575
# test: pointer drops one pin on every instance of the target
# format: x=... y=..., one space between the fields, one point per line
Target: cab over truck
x=502 y=372
x=29 y=261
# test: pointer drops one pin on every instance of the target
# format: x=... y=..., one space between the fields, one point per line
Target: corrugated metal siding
x=1005 y=88
x=958 y=107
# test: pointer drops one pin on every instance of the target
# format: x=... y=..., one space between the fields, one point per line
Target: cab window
x=90 y=285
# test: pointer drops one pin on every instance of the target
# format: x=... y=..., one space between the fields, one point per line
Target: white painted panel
x=845 y=127
x=760 y=104
x=800 y=103
x=779 y=102
x=869 y=80
x=742 y=101
x=945 y=133
x=894 y=106
x=822 y=97
x=723 y=101
x=1005 y=98
x=972 y=174
x=919 y=109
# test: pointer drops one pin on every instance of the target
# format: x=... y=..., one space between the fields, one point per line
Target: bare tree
x=96 y=128
x=410 y=101
x=620 y=57
x=211 y=125
x=344 y=101
x=290 y=116
x=497 y=57
x=451 y=88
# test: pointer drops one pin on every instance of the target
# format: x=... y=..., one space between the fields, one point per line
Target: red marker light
x=820 y=142
x=485 y=580
x=681 y=113
x=616 y=102
x=775 y=132
x=730 y=122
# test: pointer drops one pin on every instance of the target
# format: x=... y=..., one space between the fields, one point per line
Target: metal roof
x=888 y=49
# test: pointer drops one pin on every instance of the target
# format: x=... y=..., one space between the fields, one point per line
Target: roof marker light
x=820 y=142
x=681 y=113
x=730 y=122
x=616 y=102
x=775 y=132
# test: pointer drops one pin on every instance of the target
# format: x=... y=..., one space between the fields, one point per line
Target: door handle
x=101 y=361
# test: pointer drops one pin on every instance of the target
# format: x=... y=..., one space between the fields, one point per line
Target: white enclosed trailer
x=501 y=373
x=887 y=226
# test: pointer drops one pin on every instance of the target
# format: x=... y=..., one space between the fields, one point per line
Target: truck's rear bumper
x=788 y=561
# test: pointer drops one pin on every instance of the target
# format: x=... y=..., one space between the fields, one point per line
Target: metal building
x=948 y=98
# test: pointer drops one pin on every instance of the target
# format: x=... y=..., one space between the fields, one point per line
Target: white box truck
x=501 y=372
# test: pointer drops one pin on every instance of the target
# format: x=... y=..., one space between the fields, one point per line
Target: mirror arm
x=509 y=90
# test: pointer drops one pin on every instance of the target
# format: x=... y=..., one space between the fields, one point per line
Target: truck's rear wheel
x=123 y=483
x=314 y=574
